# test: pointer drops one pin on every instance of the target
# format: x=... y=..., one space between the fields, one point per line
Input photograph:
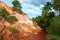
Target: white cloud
x=41 y=6
x=31 y=10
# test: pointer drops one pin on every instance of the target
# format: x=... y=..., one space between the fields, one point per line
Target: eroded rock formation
x=27 y=29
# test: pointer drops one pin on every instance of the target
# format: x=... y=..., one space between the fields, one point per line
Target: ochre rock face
x=27 y=29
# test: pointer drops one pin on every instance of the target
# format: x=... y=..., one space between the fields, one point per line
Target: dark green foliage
x=55 y=26
x=51 y=14
x=56 y=5
x=47 y=15
x=46 y=9
x=54 y=37
x=3 y=13
x=44 y=20
x=37 y=19
x=13 y=30
x=17 y=6
x=11 y=19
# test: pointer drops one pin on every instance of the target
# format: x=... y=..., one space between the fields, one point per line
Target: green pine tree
x=17 y=6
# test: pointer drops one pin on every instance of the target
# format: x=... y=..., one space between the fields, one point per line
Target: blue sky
x=32 y=8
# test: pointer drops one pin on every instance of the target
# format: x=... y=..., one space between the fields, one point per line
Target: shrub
x=13 y=30
x=3 y=13
x=11 y=19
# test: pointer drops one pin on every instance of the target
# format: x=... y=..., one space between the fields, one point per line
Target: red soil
x=40 y=36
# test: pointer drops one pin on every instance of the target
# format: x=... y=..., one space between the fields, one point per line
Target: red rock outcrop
x=27 y=29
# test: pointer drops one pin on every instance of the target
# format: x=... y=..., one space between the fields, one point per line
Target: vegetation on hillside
x=17 y=6
x=49 y=21
x=5 y=14
x=13 y=30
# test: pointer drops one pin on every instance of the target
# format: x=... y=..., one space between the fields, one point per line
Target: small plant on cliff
x=11 y=19
x=3 y=13
x=13 y=30
x=17 y=6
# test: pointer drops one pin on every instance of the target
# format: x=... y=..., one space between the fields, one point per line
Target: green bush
x=17 y=6
x=11 y=19
x=55 y=26
x=13 y=30
x=3 y=13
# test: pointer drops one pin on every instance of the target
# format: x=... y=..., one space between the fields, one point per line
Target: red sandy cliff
x=27 y=29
